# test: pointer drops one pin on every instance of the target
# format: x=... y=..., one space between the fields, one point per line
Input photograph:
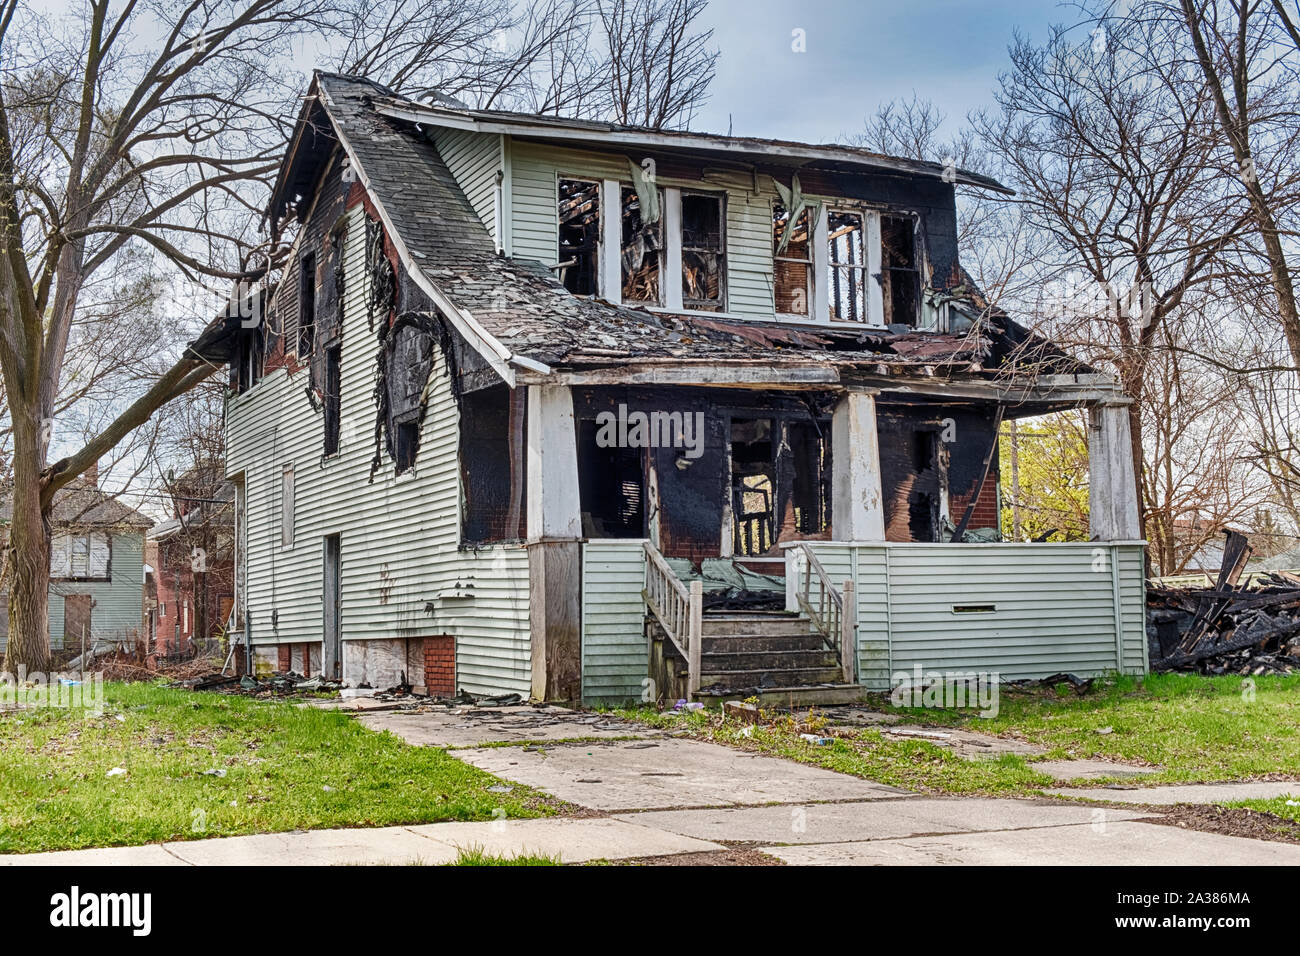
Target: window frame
x=662 y=252
x=305 y=334
x=700 y=305
x=863 y=268
x=810 y=282
x=84 y=535
x=561 y=176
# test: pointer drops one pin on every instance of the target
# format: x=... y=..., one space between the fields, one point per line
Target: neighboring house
x=519 y=370
x=193 y=561
x=96 y=568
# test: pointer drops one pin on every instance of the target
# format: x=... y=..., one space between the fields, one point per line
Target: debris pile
x=277 y=685
x=1227 y=629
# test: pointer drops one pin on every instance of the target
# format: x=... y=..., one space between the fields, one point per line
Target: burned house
x=592 y=412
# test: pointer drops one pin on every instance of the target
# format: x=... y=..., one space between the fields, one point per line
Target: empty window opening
x=611 y=487
x=753 y=486
x=810 y=489
x=925 y=445
x=793 y=265
x=579 y=254
x=923 y=517
x=847 y=266
x=333 y=397
x=252 y=357
x=703 y=252
x=306 y=305
x=900 y=276
x=642 y=253
x=492 y=443
x=406 y=442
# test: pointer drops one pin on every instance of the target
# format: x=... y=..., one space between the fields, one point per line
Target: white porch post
x=554 y=546
x=857 y=502
x=1112 y=489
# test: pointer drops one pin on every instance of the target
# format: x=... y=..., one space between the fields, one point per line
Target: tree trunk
x=29 y=553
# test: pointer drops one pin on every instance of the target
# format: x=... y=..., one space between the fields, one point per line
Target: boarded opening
x=579 y=252
x=611 y=486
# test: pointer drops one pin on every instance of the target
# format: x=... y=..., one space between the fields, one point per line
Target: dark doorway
x=753 y=486
x=611 y=487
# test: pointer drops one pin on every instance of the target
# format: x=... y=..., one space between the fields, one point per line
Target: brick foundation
x=285 y=662
x=440 y=665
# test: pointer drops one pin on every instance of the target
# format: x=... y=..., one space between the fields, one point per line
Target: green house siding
x=402 y=572
x=615 y=647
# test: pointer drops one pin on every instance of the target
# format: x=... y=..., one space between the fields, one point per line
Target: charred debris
x=1248 y=628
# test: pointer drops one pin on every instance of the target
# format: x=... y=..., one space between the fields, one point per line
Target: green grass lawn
x=204 y=765
x=1278 y=806
x=1195 y=729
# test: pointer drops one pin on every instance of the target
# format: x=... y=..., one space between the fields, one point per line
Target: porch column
x=554 y=548
x=1112 y=489
x=857 y=503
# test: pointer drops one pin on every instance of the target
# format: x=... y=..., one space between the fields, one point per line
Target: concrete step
x=819 y=694
x=737 y=643
x=770 y=678
x=761 y=660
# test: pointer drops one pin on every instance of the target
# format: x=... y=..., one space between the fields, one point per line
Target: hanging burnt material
x=381 y=301
x=403 y=364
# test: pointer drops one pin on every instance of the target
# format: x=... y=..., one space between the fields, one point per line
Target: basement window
x=642 y=253
x=306 y=304
x=847 y=266
x=578 y=265
x=703 y=252
x=793 y=265
x=900 y=275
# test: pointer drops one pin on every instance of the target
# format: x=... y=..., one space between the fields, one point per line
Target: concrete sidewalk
x=656 y=795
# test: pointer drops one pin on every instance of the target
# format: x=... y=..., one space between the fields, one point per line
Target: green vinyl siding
x=615 y=648
x=474 y=159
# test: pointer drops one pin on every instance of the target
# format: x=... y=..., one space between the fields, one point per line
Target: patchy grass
x=910 y=764
x=1288 y=808
x=1196 y=729
x=203 y=765
x=477 y=856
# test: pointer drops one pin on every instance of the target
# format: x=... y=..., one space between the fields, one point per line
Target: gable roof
x=518 y=315
x=81 y=504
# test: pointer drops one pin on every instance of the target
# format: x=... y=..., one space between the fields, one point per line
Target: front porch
x=811 y=544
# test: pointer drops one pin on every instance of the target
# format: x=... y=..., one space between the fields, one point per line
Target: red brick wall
x=285 y=662
x=440 y=665
x=985 y=514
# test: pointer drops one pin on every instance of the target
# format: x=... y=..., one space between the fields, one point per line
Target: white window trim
x=676 y=246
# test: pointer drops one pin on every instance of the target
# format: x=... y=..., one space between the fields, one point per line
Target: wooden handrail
x=832 y=614
x=678 y=608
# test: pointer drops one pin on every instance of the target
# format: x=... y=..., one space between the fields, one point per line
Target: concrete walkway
x=656 y=795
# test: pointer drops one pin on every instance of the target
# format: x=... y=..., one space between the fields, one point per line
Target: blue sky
x=859 y=54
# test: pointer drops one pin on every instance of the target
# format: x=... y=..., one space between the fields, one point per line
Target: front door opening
x=753 y=486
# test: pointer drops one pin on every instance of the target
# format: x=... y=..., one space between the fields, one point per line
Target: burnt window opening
x=333 y=397
x=642 y=253
x=900 y=274
x=753 y=486
x=251 y=356
x=611 y=487
x=810 y=489
x=579 y=252
x=703 y=252
x=923 y=517
x=306 y=304
x=793 y=265
x=925 y=447
x=406 y=442
x=492 y=442
x=846 y=265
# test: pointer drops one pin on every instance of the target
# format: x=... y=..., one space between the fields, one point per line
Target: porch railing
x=678 y=608
x=832 y=613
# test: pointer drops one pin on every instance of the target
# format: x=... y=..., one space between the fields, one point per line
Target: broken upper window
x=900 y=277
x=333 y=397
x=703 y=252
x=794 y=264
x=410 y=362
x=847 y=266
x=642 y=253
x=306 y=304
x=579 y=254
x=494 y=498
